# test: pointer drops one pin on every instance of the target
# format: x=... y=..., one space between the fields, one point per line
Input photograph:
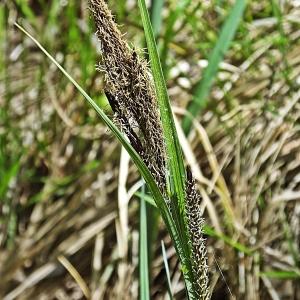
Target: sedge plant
x=144 y=124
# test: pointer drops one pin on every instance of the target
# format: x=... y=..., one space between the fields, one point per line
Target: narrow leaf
x=281 y=274
x=156 y=15
x=143 y=267
x=229 y=28
x=167 y=269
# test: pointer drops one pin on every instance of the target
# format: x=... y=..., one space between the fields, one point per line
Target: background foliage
x=69 y=220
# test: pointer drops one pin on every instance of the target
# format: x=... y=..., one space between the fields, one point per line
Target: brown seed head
x=195 y=224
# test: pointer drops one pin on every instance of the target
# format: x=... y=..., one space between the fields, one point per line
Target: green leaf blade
x=175 y=158
x=143 y=241
x=172 y=143
x=228 y=30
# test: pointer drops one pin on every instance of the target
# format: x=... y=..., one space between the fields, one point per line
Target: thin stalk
x=143 y=240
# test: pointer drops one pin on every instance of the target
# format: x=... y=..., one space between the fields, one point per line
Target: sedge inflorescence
x=195 y=224
x=130 y=92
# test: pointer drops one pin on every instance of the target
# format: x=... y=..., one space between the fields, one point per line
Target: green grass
x=200 y=97
x=143 y=255
x=277 y=274
x=163 y=248
x=156 y=15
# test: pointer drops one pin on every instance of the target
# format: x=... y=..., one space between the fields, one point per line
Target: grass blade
x=167 y=269
x=143 y=266
x=228 y=240
x=175 y=162
x=156 y=15
x=147 y=198
x=281 y=274
x=229 y=28
x=75 y=274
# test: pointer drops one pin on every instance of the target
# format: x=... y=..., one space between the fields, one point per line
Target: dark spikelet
x=195 y=225
x=130 y=92
x=124 y=124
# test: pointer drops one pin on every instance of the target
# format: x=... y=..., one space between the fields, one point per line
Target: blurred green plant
x=202 y=89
